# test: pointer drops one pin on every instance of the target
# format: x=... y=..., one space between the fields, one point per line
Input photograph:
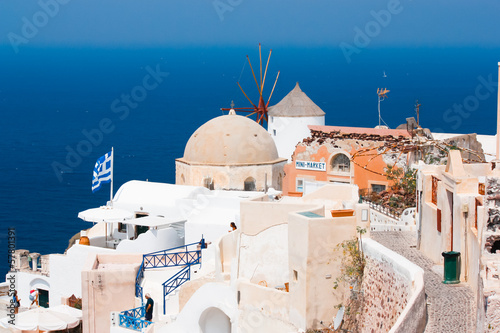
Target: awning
x=105 y=214
x=154 y=221
x=68 y=310
x=42 y=319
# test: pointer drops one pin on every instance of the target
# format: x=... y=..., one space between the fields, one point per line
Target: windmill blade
x=260 y=58
x=259 y=118
x=246 y=95
x=265 y=72
x=272 y=91
x=251 y=114
x=254 y=77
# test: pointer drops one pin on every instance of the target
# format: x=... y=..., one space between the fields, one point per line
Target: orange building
x=346 y=155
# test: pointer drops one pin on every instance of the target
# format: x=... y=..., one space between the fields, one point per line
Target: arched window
x=250 y=184
x=341 y=163
x=208 y=182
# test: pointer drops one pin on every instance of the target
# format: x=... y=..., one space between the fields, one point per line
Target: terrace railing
x=166 y=258
x=175 y=282
x=175 y=257
x=366 y=197
x=134 y=319
x=392 y=213
x=138 y=280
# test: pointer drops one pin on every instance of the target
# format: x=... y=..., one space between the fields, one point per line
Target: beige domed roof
x=230 y=139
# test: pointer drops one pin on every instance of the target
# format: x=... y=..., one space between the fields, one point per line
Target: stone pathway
x=450 y=307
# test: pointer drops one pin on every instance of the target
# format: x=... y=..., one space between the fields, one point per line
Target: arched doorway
x=213 y=320
x=249 y=184
x=43 y=288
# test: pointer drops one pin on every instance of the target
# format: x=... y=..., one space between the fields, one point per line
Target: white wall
x=26 y=281
x=290 y=131
x=264 y=257
x=212 y=225
x=382 y=222
x=151 y=241
x=65 y=272
x=210 y=295
x=65 y=275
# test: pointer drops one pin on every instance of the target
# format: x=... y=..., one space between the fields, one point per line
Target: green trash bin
x=451 y=267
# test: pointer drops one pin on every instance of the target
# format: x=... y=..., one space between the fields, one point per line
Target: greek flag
x=102 y=171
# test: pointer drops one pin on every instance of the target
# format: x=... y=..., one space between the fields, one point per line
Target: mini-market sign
x=309 y=165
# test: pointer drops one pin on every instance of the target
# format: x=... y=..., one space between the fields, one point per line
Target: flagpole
x=111 y=183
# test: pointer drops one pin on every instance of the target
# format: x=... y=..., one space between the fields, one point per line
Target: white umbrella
x=69 y=310
x=105 y=214
x=42 y=319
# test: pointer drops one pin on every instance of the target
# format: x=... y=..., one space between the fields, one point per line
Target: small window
x=272 y=119
x=495 y=247
x=341 y=163
x=122 y=227
x=249 y=184
x=438 y=218
x=377 y=188
x=300 y=185
x=208 y=182
x=478 y=203
x=434 y=190
x=295 y=275
x=364 y=215
x=140 y=229
x=274 y=132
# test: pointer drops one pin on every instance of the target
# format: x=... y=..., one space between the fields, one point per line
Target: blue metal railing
x=138 y=279
x=174 y=282
x=165 y=259
x=134 y=319
x=173 y=257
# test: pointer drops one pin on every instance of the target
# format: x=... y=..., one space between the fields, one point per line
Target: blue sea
x=52 y=100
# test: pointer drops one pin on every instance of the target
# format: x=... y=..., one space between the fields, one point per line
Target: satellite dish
x=338 y=318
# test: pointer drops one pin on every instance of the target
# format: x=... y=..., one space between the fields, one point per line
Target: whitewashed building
x=288 y=120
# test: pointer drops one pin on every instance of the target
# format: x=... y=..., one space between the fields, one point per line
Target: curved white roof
x=156 y=198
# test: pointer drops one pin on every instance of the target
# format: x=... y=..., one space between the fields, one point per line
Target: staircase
x=180 y=256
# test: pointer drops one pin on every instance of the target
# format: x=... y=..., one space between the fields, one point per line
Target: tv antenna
x=382 y=95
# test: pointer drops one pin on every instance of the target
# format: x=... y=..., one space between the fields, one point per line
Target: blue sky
x=130 y=23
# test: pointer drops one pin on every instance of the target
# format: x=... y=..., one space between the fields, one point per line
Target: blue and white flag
x=102 y=171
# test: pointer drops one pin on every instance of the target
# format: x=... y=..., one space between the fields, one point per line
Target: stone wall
x=385 y=294
x=492 y=320
x=473 y=150
x=393 y=295
x=490 y=258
